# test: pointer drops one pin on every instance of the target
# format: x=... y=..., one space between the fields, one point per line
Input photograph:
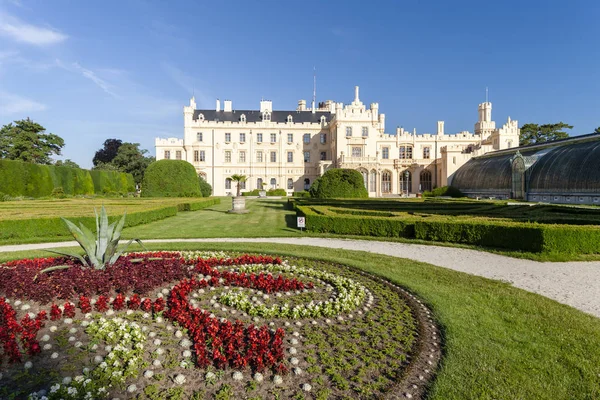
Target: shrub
x=251 y=193
x=339 y=183
x=276 y=192
x=171 y=178
x=58 y=192
x=450 y=191
x=302 y=194
x=205 y=188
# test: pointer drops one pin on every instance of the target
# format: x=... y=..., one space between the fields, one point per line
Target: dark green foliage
x=27 y=141
x=444 y=191
x=67 y=163
x=534 y=133
x=205 y=187
x=124 y=157
x=58 y=193
x=34 y=180
x=276 y=192
x=108 y=151
x=171 y=178
x=198 y=205
x=339 y=183
x=251 y=192
x=303 y=193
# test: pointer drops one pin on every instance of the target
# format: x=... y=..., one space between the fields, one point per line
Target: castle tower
x=485 y=126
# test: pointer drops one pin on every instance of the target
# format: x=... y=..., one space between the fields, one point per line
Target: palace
x=290 y=149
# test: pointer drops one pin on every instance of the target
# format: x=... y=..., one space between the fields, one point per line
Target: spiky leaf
x=69 y=254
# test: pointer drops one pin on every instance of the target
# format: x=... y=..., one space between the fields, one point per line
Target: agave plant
x=101 y=249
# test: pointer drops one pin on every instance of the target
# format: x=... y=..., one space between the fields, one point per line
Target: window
x=365 y=131
x=259 y=183
x=243 y=118
x=243 y=185
x=385 y=153
x=348 y=131
x=405 y=182
x=228 y=137
x=201 y=117
x=178 y=155
x=259 y=157
x=228 y=156
x=202 y=155
x=323 y=156
x=196 y=156
x=228 y=183
x=290 y=156
x=365 y=175
x=259 y=138
x=290 y=185
x=167 y=154
x=386 y=182
x=273 y=138
x=289 y=119
x=199 y=136
x=356 y=151
x=426 y=152
x=373 y=181
x=242 y=138
x=242 y=156
x=290 y=138
x=306 y=138
x=323 y=138
x=266 y=116
x=273 y=156
x=405 y=152
x=306 y=184
x=425 y=179
x=307 y=156
x=273 y=183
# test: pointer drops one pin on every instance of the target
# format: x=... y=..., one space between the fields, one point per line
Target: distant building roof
x=256 y=116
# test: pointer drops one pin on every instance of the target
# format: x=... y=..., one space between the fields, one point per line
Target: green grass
x=500 y=342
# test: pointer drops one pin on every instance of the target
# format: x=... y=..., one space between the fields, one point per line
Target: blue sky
x=89 y=71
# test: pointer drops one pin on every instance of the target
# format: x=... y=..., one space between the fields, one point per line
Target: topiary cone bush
x=171 y=178
x=339 y=183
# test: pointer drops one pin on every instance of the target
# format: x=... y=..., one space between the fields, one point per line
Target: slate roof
x=256 y=116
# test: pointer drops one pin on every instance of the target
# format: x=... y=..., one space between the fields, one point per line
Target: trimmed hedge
x=522 y=236
x=339 y=183
x=19 y=178
x=171 y=178
x=55 y=227
x=444 y=191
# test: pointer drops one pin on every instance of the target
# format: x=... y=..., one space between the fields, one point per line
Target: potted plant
x=239 y=201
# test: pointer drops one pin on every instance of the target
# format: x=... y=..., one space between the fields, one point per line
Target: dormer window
x=266 y=116
x=201 y=117
x=243 y=118
x=289 y=119
x=323 y=120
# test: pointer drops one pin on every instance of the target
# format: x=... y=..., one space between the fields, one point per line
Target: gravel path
x=576 y=284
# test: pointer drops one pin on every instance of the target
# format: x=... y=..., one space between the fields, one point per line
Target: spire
x=356 y=99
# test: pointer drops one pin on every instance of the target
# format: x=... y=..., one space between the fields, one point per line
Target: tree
x=339 y=183
x=27 y=141
x=131 y=159
x=67 y=163
x=107 y=152
x=597 y=130
x=205 y=187
x=534 y=133
x=171 y=178
x=239 y=179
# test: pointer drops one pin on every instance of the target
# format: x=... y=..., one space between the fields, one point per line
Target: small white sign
x=301 y=222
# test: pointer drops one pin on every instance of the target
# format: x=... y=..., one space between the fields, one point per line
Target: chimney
x=356 y=99
x=227 y=106
x=218 y=105
x=440 y=129
x=301 y=105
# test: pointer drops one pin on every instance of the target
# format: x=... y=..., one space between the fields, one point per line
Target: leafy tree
x=27 y=141
x=67 y=163
x=205 y=187
x=107 y=152
x=534 y=133
x=130 y=158
x=239 y=179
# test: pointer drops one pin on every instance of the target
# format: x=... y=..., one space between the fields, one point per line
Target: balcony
x=357 y=160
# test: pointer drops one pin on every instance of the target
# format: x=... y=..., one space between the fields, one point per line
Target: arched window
x=243 y=118
x=266 y=116
x=273 y=183
x=365 y=175
x=373 y=183
x=201 y=117
x=259 y=183
x=425 y=179
x=386 y=182
x=228 y=183
x=306 y=184
x=290 y=185
x=289 y=119
x=405 y=182
x=323 y=120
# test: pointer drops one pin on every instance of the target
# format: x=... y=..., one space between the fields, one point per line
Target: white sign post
x=301 y=222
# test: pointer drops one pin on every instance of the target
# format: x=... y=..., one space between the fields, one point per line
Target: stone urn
x=262 y=193
x=238 y=205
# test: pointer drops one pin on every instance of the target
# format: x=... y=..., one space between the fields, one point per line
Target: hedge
x=55 y=227
x=171 y=178
x=19 y=178
x=339 y=183
x=522 y=236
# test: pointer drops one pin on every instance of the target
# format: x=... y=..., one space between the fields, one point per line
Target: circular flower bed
x=209 y=325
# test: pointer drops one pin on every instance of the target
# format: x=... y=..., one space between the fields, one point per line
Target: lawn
x=499 y=342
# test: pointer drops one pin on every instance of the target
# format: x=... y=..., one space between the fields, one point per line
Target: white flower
x=148 y=374
x=45 y=338
x=88 y=316
x=258 y=377
x=18 y=303
x=47 y=346
x=86 y=370
x=179 y=379
x=53 y=328
x=108 y=348
x=54 y=388
x=28 y=365
x=103 y=365
x=73 y=330
x=187 y=353
x=94 y=346
x=98 y=359
x=68 y=321
x=294 y=361
x=156 y=363
x=169 y=328
x=54 y=355
x=160 y=351
x=131 y=388
x=84 y=323
x=160 y=320
x=306 y=387
x=278 y=380
x=79 y=378
x=146 y=315
x=238 y=376
x=72 y=338
x=157 y=342
x=178 y=334
x=78 y=344
x=66 y=380
x=298 y=371
x=185 y=343
x=209 y=375
x=129 y=312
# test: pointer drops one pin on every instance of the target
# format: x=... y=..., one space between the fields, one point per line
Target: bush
x=339 y=183
x=171 y=178
x=251 y=193
x=205 y=188
x=276 y=192
x=301 y=194
x=450 y=191
x=58 y=192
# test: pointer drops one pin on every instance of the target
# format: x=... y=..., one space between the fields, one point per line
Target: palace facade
x=290 y=149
